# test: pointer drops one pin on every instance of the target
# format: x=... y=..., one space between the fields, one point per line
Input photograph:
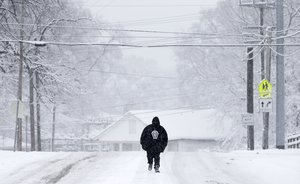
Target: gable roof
x=185 y=124
x=116 y=123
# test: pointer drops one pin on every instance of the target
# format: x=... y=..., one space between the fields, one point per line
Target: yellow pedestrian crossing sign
x=265 y=89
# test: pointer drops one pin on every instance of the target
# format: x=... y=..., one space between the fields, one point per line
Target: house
x=188 y=130
x=123 y=135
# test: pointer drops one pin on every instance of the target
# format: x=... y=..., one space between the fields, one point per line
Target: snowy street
x=265 y=167
x=206 y=91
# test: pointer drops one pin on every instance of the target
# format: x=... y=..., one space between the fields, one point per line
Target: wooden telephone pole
x=250 y=128
x=280 y=110
x=18 y=129
x=266 y=115
x=265 y=70
x=53 y=129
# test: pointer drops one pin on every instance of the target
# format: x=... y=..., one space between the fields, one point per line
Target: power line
x=138 y=75
x=154 y=6
x=145 y=5
x=134 y=37
x=285 y=55
x=124 y=30
x=181 y=110
x=137 y=103
x=223 y=45
x=156 y=22
x=160 y=18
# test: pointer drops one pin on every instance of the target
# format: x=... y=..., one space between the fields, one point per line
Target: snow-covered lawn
x=239 y=167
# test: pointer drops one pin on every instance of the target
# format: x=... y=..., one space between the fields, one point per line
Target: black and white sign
x=265 y=104
x=247 y=119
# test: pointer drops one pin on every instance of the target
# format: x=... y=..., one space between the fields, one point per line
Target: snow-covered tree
x=219 y=74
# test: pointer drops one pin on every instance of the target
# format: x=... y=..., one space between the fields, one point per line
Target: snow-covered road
x=264 y=167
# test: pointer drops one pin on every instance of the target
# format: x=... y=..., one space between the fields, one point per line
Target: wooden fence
x=293 y=141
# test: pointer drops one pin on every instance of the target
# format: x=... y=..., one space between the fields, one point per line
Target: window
x=127 y=147
x=116 y=147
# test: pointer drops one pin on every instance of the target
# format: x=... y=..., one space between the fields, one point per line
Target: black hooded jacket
x=154 y=137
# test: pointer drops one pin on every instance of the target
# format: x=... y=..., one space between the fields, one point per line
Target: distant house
x=188 y=130
x=123 y=135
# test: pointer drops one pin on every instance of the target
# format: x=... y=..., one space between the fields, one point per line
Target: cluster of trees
x=72 y=82
x=220 y=72
x=51 y=73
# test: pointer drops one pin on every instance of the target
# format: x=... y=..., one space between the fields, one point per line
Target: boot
x=150 y=167
x=156 y=168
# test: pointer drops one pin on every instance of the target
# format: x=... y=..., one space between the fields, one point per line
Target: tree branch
x=55 y=21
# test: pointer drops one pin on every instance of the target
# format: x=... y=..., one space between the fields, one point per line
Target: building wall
x=127 y=129
x=120 y=146
x=182 y=145
x=172 y=146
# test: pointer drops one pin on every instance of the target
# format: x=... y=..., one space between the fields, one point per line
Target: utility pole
x=261 y=31
x=250 y=128
x=31 y=108
x=266 y=115
x=38 y=114
x=20 y=134
x=264 y=74
x=26 y=133
x=262 y=5
x=280 y=110
x=18 y=137
x=53 y=130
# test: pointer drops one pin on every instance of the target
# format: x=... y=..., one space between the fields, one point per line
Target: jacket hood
x=155 y=121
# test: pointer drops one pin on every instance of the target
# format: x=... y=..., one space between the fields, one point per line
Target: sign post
x=265 y=105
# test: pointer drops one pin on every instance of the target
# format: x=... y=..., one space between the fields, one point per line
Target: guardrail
x=293 y=141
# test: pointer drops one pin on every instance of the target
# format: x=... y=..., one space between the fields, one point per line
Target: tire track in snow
x=112 y=167
x=37 y=165
x=38 y=172
x=54 y=178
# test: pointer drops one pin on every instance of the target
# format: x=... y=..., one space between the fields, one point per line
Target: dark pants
x=153 y=155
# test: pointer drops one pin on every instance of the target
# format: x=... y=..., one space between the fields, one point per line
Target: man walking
x=154 y=140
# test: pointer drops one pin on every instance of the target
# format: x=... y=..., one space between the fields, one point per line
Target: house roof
x=190 y=124
x=108 y=130
x=186 y=124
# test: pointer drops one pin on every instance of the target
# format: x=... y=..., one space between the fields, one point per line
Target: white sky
x=160 y=15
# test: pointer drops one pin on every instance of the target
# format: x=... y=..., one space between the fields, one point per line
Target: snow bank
x=264 y=166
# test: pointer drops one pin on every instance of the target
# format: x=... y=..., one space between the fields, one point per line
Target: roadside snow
x=265 y=167
x=34 y=167
x=203 y=167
